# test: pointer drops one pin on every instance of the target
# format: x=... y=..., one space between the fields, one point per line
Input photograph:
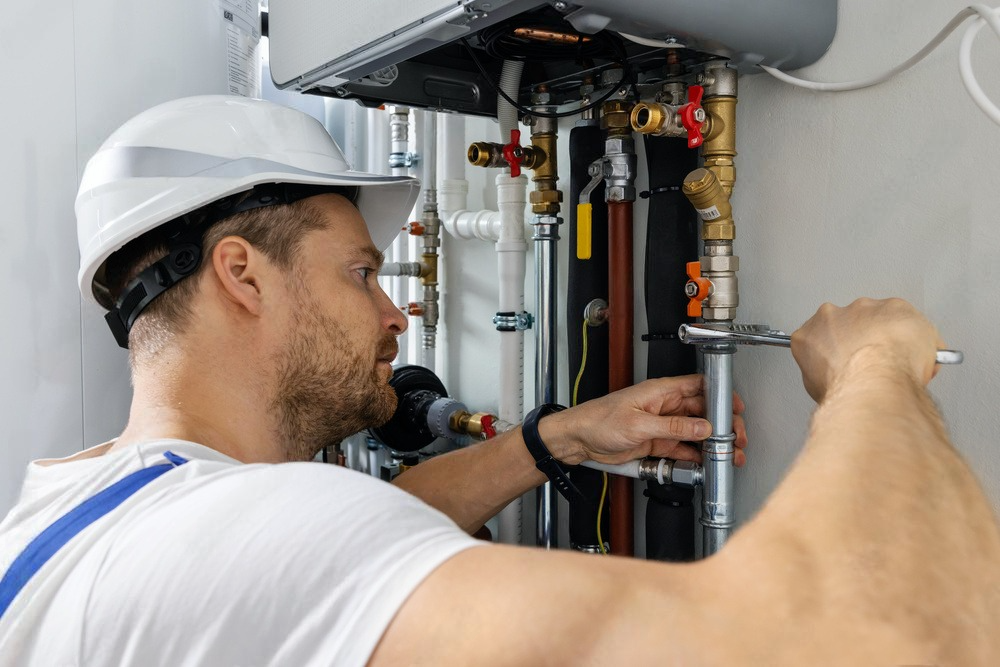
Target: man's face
x=333 y=365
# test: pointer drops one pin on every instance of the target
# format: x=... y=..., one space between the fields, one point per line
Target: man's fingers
x=739 y=459
x=671 y=449
x=740 y=427
x=677 y=427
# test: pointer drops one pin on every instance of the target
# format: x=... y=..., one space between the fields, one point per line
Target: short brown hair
x=277 y=231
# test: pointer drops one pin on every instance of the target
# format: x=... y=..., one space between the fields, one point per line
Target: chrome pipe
x=718 y=451
x=546 y=237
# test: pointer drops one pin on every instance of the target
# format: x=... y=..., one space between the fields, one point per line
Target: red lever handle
x=690 y=114
x=512 y=153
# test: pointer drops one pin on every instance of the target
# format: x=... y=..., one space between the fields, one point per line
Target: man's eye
x=365 y=271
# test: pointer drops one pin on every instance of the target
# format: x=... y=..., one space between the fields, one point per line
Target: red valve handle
x=489 y=431
x=688 y=111
x=512 y=153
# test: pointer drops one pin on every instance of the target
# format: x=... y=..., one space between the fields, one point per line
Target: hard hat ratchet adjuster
x=183 y=260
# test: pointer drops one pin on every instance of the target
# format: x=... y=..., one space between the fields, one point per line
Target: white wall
x=72 y=72
x=41 y=407
x=889 y=191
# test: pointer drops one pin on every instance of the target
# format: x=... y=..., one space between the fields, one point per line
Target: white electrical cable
x=985 y=14
x=965 y=67
x=656 y=43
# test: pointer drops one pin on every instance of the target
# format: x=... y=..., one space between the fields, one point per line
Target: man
x=258 y=333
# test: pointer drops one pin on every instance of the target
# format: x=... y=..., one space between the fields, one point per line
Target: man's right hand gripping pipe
x=878 y=547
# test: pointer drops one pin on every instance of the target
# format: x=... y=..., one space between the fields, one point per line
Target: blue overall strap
x=53 y=538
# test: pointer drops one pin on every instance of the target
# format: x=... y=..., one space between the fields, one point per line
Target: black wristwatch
x=544 y=460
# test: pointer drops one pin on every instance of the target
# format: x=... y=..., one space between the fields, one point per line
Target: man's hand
x=889 y=332
x=655 y=418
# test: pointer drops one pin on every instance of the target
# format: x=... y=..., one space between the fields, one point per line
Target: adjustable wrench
x=751 y=334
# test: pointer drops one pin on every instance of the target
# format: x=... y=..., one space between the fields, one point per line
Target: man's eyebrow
x=377 y=258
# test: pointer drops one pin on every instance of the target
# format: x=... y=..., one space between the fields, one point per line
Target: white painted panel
x=148 y=53
x=886 y=191
x=40 y=392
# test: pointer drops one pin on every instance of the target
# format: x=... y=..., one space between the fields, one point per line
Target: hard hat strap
x=185 y=248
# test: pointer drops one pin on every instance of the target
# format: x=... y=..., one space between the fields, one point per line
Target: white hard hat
x=182 y=155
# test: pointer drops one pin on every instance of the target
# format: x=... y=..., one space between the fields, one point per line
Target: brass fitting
x=429 y=268
x=719 y=131
x=466 y=422
x=647 y=118
x=656 y=119
x=615 y=117
x=486 y=154
x=540 y=157
x=711 y=201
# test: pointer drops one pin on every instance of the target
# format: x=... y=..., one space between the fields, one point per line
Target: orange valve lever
x=415 y=229
x=697 y=288
x=693 y=116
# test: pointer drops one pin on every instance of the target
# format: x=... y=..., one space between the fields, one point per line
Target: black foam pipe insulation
x=588 y=280
x=671 y=242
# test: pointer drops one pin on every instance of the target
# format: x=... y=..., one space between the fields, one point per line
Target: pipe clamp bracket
x=513 y=321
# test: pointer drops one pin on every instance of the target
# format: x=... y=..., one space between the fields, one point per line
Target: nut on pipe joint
x=711 y=201
x=615 y=117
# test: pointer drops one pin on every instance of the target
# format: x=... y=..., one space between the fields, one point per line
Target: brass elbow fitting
x=706 y=193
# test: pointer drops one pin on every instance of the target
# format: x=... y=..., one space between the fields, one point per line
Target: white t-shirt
x=216 y=562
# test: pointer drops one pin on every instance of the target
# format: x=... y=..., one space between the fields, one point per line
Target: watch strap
x=544 y=460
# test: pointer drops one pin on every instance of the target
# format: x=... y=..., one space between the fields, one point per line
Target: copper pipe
x=620 y=310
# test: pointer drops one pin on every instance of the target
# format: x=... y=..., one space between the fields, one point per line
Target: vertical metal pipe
x=399 y=147
x=717 y=511
x=545 y=237
x=620 y=371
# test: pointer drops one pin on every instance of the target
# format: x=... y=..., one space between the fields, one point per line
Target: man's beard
x=326 y=390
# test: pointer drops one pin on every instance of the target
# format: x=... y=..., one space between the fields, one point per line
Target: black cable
x=541 y=114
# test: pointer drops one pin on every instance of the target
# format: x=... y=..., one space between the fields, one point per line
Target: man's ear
x=238 y=268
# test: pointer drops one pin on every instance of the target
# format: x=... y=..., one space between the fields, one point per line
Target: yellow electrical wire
x=600 y=509
x=583 y=364
x=576 y=391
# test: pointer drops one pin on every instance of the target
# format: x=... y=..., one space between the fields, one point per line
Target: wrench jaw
x=744 y=334
x=761 y=334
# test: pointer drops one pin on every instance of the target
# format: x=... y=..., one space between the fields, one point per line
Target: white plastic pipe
x=483 y=225
x=452 y=144
x=511 y=251
x=454 y=189
x=628 y=469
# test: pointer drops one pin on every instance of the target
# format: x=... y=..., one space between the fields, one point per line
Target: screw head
x=691 y=289
x=699 y=115
x=561 y=6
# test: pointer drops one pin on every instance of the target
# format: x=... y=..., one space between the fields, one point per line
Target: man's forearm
x=880 y=526
x=471 y=485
